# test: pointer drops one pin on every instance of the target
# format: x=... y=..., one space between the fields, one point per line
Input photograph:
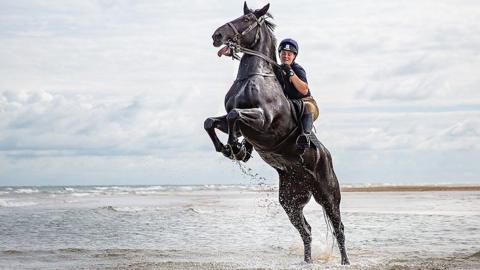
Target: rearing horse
x=258 y=110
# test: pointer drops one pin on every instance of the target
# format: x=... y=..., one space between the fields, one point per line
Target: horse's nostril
x=217 y=36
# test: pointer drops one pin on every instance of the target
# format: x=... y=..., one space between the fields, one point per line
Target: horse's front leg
x=219 y=123
x=254 y=118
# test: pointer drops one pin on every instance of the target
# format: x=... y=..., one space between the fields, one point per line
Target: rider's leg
x=303 y=141
x=310 y=115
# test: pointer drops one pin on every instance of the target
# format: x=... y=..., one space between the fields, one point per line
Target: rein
x=259 y=54
x=235 y=48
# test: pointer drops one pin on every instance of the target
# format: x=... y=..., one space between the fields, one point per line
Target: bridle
x=235 y=46
x=258 y=22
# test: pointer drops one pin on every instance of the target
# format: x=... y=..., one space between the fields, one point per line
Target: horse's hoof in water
x=308 y=260
x=345 y=261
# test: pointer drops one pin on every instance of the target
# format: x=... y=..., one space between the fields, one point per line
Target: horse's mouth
x=223 y=51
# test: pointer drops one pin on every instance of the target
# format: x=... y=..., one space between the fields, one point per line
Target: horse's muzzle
x=217 y=39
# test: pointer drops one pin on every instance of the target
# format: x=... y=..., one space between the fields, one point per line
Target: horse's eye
x=245 y=19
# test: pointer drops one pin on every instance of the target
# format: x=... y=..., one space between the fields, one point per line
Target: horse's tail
x=329 y=225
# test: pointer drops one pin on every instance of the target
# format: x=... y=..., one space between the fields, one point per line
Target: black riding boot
x=303 y=142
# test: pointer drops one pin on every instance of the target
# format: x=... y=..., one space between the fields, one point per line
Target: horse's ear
x=246 y=10
x=260 y=12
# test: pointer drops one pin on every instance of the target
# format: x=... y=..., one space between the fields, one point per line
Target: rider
x=296 y=87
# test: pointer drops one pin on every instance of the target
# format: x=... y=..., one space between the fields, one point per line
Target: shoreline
x=410 y=188
x=376 y=187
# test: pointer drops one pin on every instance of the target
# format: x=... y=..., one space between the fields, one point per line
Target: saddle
x=297 y=108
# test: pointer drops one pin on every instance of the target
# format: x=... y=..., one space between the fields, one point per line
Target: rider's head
x=288 y=50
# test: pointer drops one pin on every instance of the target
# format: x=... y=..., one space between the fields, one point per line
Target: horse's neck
x=250 y=64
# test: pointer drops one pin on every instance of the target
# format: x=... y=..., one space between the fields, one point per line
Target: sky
x=116 y=92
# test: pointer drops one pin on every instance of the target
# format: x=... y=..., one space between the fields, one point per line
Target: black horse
x=258 y=110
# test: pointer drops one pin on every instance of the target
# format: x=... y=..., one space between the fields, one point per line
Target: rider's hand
x=288 y=70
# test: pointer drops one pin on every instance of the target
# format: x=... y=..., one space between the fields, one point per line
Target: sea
x=230 y=227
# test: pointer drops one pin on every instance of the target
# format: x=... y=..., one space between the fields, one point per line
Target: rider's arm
x=300 y=85
x=299 y=79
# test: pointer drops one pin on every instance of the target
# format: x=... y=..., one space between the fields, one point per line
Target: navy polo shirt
x=290 y=91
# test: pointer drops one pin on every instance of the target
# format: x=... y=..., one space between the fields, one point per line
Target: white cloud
x=390 y=51
x=464 y=135
x=426 y=131
x=46 y=122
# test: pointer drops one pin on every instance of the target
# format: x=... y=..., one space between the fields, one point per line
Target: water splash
x=322 y=253
x=248 y=172
x=270 y=201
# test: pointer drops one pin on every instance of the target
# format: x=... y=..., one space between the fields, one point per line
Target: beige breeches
x=311 y=106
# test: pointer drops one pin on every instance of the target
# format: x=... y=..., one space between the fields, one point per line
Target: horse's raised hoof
x=236 y=147
x=247 y=157
x=227 y=152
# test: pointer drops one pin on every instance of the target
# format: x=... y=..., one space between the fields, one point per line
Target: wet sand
x=459 y=263
x=411 y=188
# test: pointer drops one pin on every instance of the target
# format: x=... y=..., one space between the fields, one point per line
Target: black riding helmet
x=288 y=44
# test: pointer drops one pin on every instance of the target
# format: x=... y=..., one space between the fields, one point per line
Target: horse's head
x=240 y=29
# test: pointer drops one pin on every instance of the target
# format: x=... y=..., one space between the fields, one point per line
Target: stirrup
x=303 y=142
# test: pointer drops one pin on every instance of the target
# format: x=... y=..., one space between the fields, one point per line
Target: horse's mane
x=270 y=28
x=270 y=24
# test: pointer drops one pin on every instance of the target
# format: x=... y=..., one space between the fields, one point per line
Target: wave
x=75 y=250
x=129 y=190
x=196 y=210
x=130 y=209
x=26 y=190
x=12 y=203
x=125 y=209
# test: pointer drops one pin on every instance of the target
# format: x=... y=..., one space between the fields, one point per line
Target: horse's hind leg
x=327 y=193
x=333 y=213
x=293 y=200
